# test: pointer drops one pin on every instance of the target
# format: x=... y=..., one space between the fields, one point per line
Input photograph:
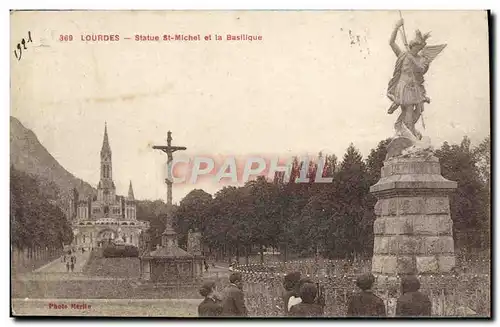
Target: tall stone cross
x=169 y=149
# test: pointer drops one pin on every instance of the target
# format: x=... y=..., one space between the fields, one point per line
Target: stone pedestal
x=413 y=230
x=194 y=243
x=169 y=263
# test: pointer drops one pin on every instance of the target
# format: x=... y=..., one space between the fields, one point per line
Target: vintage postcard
x=250 y=164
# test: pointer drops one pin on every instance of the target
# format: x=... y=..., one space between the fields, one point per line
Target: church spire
x=130 y=192
x=106 y=163
x=105 y=142
x=106 y=188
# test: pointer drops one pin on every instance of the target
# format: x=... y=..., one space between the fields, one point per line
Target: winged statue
x=406 y=87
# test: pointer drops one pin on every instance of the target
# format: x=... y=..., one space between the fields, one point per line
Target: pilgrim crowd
x=302 y=297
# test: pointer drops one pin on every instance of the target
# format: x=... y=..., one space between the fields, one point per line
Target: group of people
x=70 y=260
x=304 y=298
x=230 y=304
x=411 y=302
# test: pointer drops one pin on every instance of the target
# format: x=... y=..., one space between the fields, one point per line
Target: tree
x=352 y=174
x=192 y=214
x=334 y=219
x=482 y=154
x=228 y=230
x=264 y=213
x=353 y=188
x=469 y=203
x=316 y=225
x=330 y=165
x=375 y=161
x=291 y=200
x=155 y=212
x=36 y=221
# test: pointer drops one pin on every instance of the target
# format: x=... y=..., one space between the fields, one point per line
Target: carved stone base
x=413 y=230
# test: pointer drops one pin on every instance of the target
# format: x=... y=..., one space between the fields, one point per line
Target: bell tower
x=106 y=188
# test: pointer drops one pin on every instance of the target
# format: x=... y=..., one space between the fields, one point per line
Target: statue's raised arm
x=392 y=40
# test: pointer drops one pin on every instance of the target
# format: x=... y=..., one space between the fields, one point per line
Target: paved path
x=56 y=270
x=58 y=266
x=217 y=271
x=106 y=307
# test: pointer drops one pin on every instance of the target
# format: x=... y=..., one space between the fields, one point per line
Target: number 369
x=65 y=38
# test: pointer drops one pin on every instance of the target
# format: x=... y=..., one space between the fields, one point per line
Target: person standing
x=67 y=266
x=211 y=305
x=412 y=302
x=291 y=293
x=365 y=303
x=296 y=299
x=308 y=306
x=233 y=304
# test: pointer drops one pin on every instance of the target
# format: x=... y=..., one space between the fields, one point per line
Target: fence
x=457 y=295
x=29 y=259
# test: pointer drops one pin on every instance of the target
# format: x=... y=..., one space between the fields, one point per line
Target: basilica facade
x=100 y=218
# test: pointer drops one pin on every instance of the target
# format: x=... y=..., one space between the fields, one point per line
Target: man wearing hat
x=233 y=304
x=308 y=306
x=211 y=305
x=291 y=286
x=412 y=302
x=365 y=303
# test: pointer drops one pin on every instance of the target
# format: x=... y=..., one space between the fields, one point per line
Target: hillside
x=28 y=155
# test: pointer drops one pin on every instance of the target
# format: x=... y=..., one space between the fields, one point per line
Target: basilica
x=104 y=217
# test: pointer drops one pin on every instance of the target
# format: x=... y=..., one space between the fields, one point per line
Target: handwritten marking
x=18 y=52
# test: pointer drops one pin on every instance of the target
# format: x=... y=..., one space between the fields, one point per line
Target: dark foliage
x=36 y=220
x=332 y=219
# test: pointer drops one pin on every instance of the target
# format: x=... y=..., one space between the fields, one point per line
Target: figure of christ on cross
x=169 y=149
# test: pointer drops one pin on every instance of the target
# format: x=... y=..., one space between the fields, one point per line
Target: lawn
x=113 y=267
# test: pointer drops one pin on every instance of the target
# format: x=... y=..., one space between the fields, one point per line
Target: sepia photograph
x=250 y=163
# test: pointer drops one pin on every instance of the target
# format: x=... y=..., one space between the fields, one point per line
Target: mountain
x=28 y=155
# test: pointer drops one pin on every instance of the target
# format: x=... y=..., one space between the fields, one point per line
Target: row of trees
x=36 y=219
x=332 y=219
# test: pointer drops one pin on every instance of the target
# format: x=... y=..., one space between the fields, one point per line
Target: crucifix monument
x=169 y=263
x=169 y=149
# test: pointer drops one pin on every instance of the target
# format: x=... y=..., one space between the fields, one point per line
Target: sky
x=309 y=85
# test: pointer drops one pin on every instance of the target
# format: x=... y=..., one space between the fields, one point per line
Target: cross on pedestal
x=169 y=149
